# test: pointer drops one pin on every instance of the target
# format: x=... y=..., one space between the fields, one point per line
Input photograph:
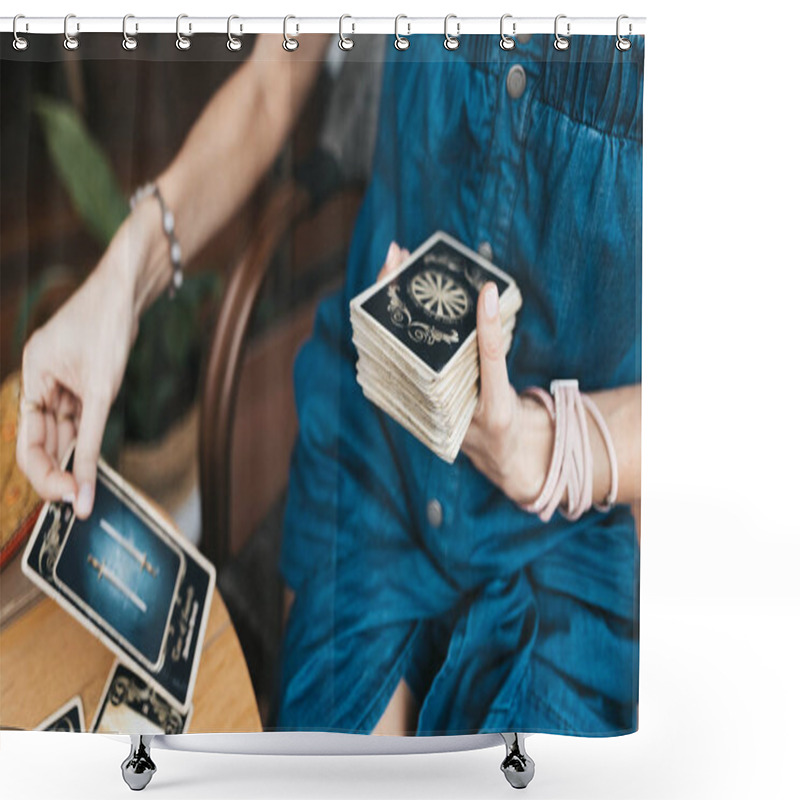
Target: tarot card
x=134 y=572
x=124 y=565
x=416 y=338
x=131 y=705
x=68 y=719
x=444 y=417
x=437 y=395
x=429 y=304
x=445 y=445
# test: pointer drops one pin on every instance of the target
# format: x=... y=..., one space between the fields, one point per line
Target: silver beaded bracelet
x=168 y=223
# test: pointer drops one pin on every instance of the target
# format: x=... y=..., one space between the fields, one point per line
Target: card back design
x=430 y=305
x=185 y=622
x=132 y=705
x=122 y=572
x=68 y=719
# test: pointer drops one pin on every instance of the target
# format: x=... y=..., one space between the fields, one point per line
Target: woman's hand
x=72 y=368
x=510 y=438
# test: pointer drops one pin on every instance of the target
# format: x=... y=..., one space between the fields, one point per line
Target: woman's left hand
x=510 y=437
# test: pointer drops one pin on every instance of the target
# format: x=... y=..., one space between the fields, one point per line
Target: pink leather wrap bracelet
x=571 y=466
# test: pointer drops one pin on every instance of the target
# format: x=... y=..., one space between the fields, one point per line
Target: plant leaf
x=83 y=168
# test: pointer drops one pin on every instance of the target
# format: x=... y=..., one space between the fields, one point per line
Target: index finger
x=90 y=438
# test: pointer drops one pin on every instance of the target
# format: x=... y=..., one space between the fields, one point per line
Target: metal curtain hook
x=623 y=44
x=182 y=42
x=451 y=42
x=345 y=43
x=561 y=42
x=290 y=43
x=401 y=42
x=70 y=42
x=129 y=42
x=234 y=42
x=20 y=42
x=506 y=42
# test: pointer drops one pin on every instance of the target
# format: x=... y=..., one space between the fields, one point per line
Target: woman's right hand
x=72 y=369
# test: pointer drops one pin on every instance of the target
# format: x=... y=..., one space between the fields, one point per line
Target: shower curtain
x=355 y=335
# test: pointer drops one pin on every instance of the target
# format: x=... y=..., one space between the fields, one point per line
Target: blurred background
x=205 y=420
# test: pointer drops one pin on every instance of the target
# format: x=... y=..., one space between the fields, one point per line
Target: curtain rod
x=190 y=25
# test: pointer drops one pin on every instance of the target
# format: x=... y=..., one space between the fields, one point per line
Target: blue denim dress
x=404 y=566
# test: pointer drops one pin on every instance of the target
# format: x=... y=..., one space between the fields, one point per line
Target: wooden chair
x=247 y=417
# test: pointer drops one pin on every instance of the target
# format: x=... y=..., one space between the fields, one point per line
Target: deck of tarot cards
x=415 y=333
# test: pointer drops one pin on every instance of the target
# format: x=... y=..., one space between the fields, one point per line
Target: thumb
x=493 y=372
x=90 y=436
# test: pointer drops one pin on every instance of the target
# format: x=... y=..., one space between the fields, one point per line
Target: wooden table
x=47 y=657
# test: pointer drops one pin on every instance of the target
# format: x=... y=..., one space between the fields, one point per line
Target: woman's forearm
x=232 y=144
x=622 y=410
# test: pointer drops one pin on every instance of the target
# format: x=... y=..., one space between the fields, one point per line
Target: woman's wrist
x=154 y=273
x=534 y=446
x=138 y=257
x=584 y=469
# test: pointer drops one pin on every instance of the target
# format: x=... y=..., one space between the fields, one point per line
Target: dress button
x=515 y=81
x=435 y=514
x=485 y=249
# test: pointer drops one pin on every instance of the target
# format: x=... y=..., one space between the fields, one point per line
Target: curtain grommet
x=451 y=42
x=234 y=43
x=561 y=43
x=20 y=43
x=401 y=42
x=290 y=43
x=507 y=42
x=623 y=44
x=345 y=42
x=71 y=42
x=129 y=42
x=182 y=42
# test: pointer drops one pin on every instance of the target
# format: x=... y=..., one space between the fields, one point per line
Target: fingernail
x=490 y=301
x=69 y=497
x=84 y=503
x=390 y=251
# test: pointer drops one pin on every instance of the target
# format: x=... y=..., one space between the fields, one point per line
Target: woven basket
x=19 y=503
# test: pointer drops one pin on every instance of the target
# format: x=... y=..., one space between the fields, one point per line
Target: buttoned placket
x=512 y=83
x=512 y=104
